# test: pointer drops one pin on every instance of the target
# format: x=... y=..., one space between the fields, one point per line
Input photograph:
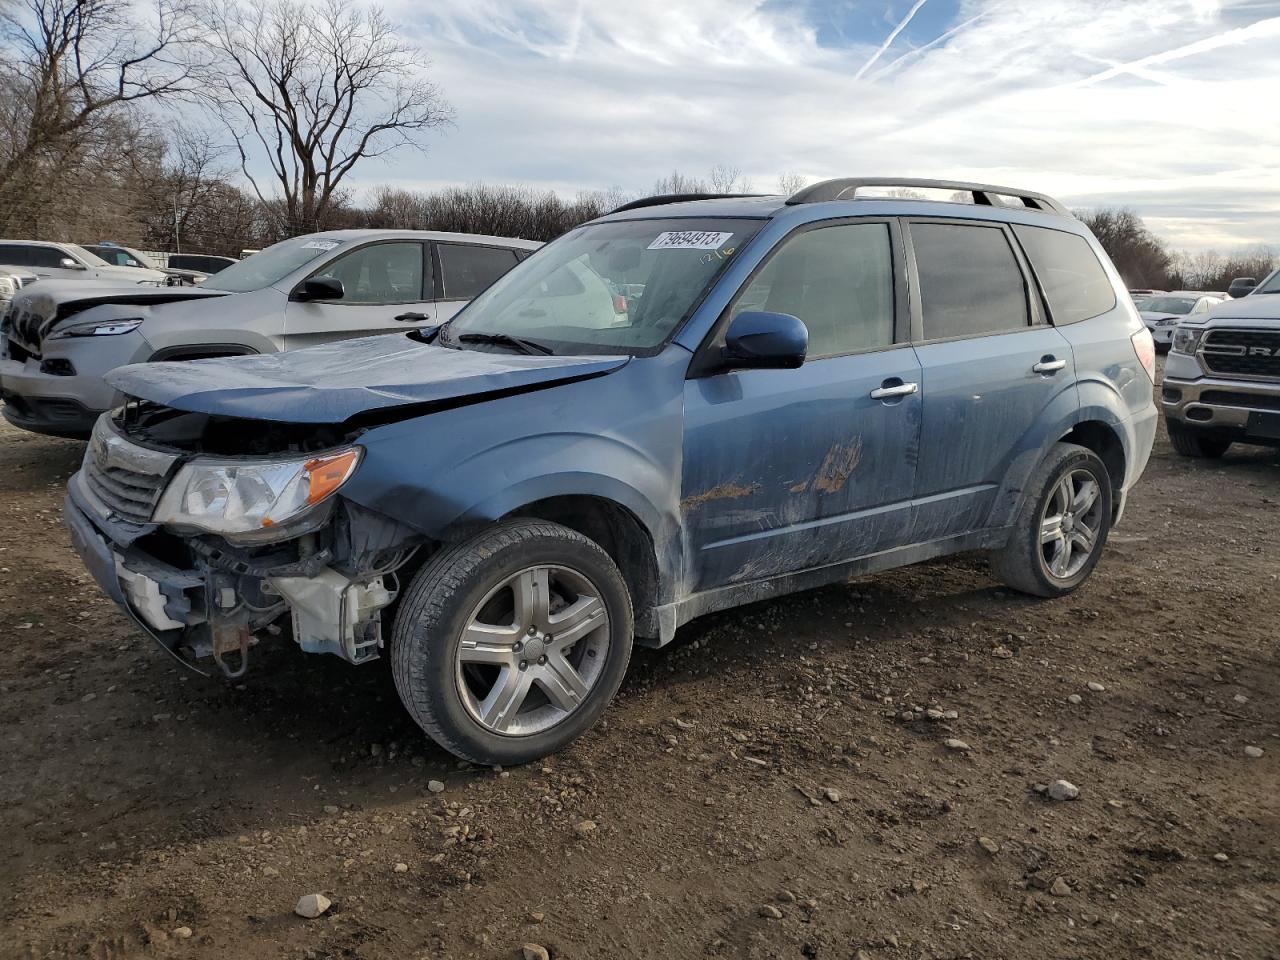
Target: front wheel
x=1190 y=443
x=509 y=646
x=1063 y=525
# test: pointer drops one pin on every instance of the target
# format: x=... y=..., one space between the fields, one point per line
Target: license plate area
x=1264 y=424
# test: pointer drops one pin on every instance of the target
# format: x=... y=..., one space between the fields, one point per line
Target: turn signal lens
x=327 y=474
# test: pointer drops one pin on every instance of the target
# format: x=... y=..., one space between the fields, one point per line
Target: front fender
x=616 y=437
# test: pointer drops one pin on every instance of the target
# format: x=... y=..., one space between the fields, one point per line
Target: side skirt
x=671 y=616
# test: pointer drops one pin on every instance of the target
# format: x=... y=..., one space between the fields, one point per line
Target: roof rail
x=845 y=188
x=661 y=198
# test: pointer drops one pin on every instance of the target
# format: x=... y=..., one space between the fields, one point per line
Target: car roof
x=47 y=243
x=440 y=235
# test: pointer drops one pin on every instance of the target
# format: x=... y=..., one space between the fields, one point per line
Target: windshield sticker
x=689 y=240
x=324 y=244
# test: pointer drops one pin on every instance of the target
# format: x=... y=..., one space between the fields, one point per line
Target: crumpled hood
x=334 y=382
x=37 y=309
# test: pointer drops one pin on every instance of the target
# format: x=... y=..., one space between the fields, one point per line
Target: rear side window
x=468 y=270
x=1073 y=280
x=838 y=280
x=970 y=281
x=15 y=255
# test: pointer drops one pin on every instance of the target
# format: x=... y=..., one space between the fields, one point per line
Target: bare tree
x=728 y=179
x=792 y=182
x=1139 y=255
x=309 y=91
x=71 y=69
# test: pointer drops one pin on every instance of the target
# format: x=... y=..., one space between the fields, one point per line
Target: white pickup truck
x=1222 y=378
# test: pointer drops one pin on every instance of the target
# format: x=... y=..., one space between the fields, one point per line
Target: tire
x=474 y=698
x=1029 y=563
x=1189 y=443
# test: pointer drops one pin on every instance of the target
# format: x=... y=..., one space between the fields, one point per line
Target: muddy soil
x=771 y=785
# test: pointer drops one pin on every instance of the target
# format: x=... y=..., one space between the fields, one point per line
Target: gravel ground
x=855 y=772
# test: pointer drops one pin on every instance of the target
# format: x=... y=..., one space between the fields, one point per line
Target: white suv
x=68 y=261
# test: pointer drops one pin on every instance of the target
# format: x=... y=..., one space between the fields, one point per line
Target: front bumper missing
x=196 y=614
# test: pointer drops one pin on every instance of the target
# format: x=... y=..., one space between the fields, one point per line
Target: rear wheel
x=510 y=645
x=1062 y=527
x=1190 y=443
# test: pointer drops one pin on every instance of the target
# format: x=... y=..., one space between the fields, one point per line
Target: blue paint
x=747 y=482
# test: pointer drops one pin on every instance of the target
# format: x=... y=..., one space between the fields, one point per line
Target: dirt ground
x=768 y=786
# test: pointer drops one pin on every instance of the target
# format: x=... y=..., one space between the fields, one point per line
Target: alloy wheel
x=532 y=650
x=1070 y=524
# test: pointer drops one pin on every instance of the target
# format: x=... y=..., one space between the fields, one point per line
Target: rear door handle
x=412 y=317
x=1049 y=364
x=898 y=390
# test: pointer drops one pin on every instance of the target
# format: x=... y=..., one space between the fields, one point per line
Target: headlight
x=8 y=287
x=1187 y=340
x=103 y=328
x=244 y=497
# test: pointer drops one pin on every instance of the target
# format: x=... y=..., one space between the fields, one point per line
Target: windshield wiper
x=506 y=340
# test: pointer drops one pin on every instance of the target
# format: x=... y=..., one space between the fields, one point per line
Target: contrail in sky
x=915 y=8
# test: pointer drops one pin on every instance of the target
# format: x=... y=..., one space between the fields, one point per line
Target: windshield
x=1270 y=285
x=1168 y=305
x=270 y=265
x=619 y=287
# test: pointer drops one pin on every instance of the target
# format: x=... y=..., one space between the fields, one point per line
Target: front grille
x=128 y=495
x=126 y=479
x=1246 y=353
x=1230 y=398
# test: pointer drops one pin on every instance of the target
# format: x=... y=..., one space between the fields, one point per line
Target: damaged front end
x=214 y=533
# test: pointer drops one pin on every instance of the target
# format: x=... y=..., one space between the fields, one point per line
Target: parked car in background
x=1222 y=379
x=202 y=262
x=122 y=256
x=1143 y=294
x=11 y=281
x=60 y=339
x=793 y=391
x=1245 y=286
x=69 y=261
x=1162 y=312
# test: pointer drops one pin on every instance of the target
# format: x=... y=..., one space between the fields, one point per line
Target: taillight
x=1145 y=348
x=619 y=303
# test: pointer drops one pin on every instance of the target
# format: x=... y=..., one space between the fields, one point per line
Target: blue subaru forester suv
x=689 y=404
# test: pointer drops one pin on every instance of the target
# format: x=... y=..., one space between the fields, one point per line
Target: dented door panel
x=786 y=470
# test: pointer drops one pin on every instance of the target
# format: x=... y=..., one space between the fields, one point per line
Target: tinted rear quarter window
x=1074 y=282
x=469 y=270
x=970 y=281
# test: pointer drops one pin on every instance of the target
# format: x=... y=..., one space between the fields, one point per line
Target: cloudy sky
x=1166 y=106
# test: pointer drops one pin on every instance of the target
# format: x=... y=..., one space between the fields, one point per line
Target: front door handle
x=887 y=392
x=412 y=317
x=1048 y=364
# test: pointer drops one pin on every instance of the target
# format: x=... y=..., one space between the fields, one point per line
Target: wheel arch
x=201 y=351
x=1102 y=439
x=620 y=533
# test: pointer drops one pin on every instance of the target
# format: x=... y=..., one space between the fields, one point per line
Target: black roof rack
x=846 y=187
x=660 y=199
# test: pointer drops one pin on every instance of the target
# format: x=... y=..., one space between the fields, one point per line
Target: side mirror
x=68 y=264
x=319 y=288
x=765 y=341
x=1241 y=287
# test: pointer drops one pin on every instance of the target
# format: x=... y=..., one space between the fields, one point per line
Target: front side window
x=622 y=286
x=270 y=266
x=970 y=281
x=45 y=256
x=838 y=280
x=1074 y=283
x=379 y=273
x=469 y=270
x=1270 y=284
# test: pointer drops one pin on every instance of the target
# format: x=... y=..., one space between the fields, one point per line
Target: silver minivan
x=60 y=339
